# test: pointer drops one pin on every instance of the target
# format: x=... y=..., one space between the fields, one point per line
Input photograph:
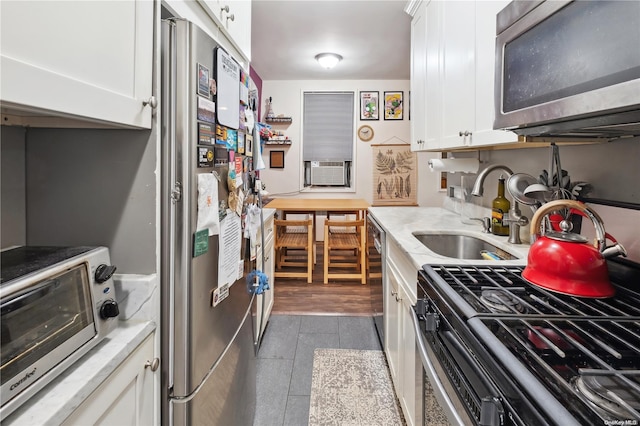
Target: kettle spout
x=615 y=250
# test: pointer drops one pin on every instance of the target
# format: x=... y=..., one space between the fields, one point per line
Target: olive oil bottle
x=499 y=208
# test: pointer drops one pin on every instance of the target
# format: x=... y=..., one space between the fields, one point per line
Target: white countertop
x=56 y=401
x=400 y=223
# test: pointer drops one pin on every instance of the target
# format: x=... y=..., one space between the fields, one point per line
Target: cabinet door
x=433 y=96
x=418 y=77
x=90 y=60
x=392 y=330
x=269 y=269
x=485 y=37
x=125 y=398
x=408 y=360
x=266 y=300
x=234 y=18
x=458 y=71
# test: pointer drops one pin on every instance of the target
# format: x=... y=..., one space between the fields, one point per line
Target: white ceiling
x=373 y=37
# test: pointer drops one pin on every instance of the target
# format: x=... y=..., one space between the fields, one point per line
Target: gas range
x=548 y=358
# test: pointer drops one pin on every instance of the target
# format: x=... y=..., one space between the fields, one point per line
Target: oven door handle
x=436 y=384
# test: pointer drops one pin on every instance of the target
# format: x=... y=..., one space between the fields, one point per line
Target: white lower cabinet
x=392 y=331
x=265 y=300
x=126 y=397
x=400 y=337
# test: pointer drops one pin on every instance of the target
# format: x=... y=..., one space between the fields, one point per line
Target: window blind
x=328 y=126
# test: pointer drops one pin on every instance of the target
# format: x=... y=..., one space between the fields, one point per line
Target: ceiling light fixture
x=328 y=60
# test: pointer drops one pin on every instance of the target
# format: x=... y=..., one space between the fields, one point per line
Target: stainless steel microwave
x=56 y=304
x=568 y=68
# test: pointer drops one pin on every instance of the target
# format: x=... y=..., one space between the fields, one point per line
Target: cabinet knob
x=225 y=8
x=152 y=102
x=465 y=133
x=153 y=364
x=231 y=17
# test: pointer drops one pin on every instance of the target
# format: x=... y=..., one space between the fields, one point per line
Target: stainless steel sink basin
x=460 y=246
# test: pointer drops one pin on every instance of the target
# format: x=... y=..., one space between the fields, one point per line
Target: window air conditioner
x=330 y=173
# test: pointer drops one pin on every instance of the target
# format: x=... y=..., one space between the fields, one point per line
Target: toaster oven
x=56 y=303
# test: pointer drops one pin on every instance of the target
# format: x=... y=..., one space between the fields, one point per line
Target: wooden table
x=314 y=205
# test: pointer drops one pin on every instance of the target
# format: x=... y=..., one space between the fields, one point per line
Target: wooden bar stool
x=291 y=238
x=345 y=250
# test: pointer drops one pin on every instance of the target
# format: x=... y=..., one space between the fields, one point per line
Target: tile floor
x=285 y=361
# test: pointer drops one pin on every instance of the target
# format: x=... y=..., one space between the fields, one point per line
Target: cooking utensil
x=516 y=185
x=565 y=262
x=581 y=189
x=538 y=192
x=556 y=175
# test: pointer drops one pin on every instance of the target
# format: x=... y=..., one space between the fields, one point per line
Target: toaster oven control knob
x=104 y=272
x=109 y=309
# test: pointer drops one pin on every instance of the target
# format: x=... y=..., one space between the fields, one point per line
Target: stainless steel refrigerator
x=208 y=352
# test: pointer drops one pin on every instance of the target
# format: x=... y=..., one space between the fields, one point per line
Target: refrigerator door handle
x=176 y=399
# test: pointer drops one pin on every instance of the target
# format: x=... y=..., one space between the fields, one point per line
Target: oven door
x=42 y=325
x=465 y=394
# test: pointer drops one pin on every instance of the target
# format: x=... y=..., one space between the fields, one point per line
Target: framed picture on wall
x=393 y=107
x=369 y=109
x=276 y=159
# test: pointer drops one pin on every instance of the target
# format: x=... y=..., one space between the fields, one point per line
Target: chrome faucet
x=478 y=186
x=514 y=217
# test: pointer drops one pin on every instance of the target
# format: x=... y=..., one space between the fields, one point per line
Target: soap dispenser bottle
x=499 y=207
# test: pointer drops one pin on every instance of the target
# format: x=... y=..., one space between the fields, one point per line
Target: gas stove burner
x=502 y=301
x=605 y=392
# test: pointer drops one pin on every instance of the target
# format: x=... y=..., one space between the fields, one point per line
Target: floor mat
x=352 y=387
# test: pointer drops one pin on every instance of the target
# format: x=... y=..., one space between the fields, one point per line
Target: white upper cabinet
x=458 y=70
x=458 y=76
x=485 y=37
x=433 y=77
x=418 y=80
x=90 y=61
x=234 y=19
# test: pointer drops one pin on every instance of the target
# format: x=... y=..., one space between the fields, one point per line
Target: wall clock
x=365 y=133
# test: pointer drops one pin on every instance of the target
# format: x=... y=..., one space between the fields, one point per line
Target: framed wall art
x=369 y=108
x=276 y=159
x=393 y=106
x=395 y=175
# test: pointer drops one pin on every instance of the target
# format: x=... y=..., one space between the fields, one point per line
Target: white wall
x=287 y=100
x=14 y=204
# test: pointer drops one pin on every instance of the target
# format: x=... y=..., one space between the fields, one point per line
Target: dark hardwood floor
x=294 y=296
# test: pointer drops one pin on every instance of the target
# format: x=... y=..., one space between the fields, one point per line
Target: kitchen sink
x=460 y=246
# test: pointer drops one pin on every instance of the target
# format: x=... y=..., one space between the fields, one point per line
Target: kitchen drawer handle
x=153 y=364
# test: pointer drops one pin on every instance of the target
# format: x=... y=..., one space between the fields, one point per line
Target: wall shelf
x=275 y=143
x=284 y=120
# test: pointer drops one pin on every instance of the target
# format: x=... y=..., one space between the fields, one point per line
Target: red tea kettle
x=565 y=262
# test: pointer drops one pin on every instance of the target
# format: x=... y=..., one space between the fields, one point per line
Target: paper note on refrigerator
x=229 y=250
x=208 y=217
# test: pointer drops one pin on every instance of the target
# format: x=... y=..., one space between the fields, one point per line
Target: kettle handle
x=551 y=206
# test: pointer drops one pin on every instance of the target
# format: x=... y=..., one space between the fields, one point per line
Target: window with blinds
x=327 y=135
